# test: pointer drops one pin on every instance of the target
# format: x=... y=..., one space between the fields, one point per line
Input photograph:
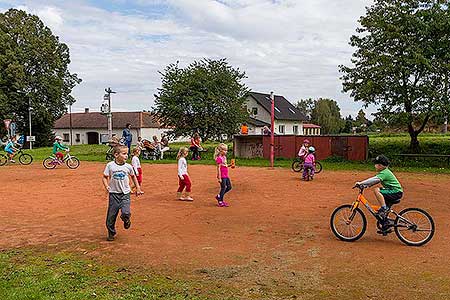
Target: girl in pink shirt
x=220 y=156
x=309 y=164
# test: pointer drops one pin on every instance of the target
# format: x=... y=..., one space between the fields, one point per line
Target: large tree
x=306 y=106
x=33 y=69
x=207 y=97
x=327 y=114
x=399 y=62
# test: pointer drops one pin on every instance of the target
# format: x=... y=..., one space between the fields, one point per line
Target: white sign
x=31 y=138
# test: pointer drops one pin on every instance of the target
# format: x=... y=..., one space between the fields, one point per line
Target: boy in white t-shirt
x=116 y=181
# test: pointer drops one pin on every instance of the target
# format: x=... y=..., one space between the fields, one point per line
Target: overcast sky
x=292 y=47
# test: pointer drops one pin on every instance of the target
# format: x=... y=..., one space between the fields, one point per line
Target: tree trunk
x=414 y=142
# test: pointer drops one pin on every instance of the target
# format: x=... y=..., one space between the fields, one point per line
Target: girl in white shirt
x=136 y=163
x=183 y=177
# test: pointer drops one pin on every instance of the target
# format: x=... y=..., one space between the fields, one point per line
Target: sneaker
x=382 y=213
x=222 y=204
x=126 y=222
x=218 y=198
x=188 y=198
x=12 y=161
x=110 y=237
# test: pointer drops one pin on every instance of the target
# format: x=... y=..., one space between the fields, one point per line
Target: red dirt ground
x=275 y=233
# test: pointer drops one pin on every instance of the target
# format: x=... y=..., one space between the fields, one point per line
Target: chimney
x=86 y=110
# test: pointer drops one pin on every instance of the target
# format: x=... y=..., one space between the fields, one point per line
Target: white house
x=288 y=119
x=92 y=128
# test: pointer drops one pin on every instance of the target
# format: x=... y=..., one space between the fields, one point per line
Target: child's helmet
x=311 y=149
x=382 y=160
x=305 y=141
x=58 y=138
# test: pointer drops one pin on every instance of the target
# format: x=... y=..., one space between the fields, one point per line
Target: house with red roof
x=92 y=127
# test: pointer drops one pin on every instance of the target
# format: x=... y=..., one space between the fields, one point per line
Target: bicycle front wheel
x=414 y=226
x=297 y=166
x=318 y=167
x=346 y=225
x=3 y=159
x=25 y=159
x=73 y=162
x=49 y=163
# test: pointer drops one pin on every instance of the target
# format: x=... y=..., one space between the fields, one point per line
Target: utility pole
x=107 y=97
x=272 y=129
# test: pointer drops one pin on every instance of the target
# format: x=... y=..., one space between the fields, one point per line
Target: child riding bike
x=57 y=146
x=11 y=148
x=303 y=149
x=390 y=193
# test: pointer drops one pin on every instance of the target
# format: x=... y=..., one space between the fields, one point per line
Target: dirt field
x=274 y=239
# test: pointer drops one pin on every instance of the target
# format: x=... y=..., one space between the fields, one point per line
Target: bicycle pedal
x=384 y=232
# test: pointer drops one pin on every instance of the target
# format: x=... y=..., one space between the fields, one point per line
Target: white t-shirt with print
x=119 y=181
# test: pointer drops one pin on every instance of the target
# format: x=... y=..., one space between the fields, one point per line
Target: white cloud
x=291 y=47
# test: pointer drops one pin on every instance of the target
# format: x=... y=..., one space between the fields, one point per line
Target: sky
x=291 y=47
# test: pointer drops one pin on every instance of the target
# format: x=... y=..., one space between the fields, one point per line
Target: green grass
x=387 y=144
x=27 y=274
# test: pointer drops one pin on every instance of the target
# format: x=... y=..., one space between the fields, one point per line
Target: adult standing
x=164 y=144
x=128 y=137
x=195 y=146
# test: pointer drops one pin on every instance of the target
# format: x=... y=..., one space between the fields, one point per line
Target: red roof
x=310 y=125
x=98 y=120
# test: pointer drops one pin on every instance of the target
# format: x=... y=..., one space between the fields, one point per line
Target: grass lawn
x=378 y=144
x=29 y=274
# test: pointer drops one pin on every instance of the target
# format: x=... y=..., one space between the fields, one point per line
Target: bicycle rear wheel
x=49 y=163
x=318 y=167
x=348 y=226
x=414 y=227
x=25 y=159
x=3 y=159
x=297 y=166
x=73 y=162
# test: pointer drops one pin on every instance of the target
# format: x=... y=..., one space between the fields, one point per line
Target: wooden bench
x=447 y=156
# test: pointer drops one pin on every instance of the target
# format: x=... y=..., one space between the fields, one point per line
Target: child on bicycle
x=303 y=149
x=309 y=165
x=391 y=190
x=11 y=149
x=116 y=181
x=57 y=146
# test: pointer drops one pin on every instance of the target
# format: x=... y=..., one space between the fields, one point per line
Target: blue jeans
x=225 y=187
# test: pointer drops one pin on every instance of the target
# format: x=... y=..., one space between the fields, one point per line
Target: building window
x=295 y=129
x=281 y=129
x=254 y=111
x=77 y=138
x=66 y=137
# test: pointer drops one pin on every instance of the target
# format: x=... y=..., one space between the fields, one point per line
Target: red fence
x=287 y=146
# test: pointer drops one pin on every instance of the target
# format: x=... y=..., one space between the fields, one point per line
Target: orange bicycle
x=413 y=226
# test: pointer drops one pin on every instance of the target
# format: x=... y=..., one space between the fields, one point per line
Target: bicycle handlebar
x=360 y=186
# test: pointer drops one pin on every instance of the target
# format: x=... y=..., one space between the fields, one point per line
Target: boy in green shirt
x=391 y=192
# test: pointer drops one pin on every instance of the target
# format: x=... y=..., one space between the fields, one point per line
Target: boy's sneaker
x=188 y=198
x=110 y=237
x=126 y=222
x=222 y=204
x=382 y=213
x=12 y=161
